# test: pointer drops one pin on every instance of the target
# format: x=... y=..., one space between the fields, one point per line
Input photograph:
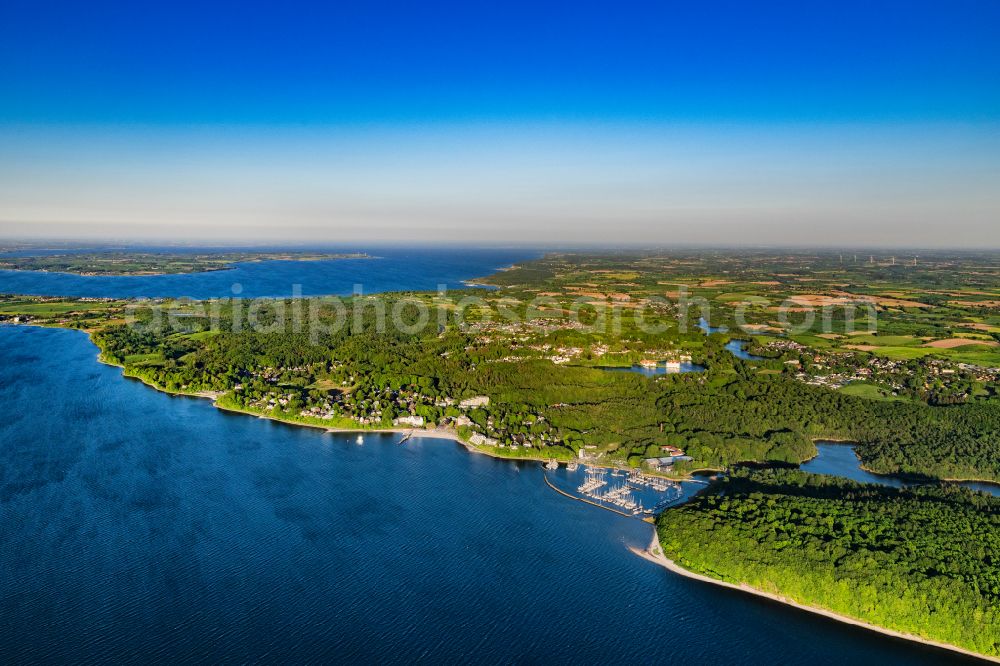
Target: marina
x=628 y=491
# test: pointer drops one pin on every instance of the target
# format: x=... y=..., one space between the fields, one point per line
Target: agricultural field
x=939 y=306
x=736 y=365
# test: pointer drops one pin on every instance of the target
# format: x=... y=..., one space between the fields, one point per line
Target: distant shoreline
x=228 y=266
x=654 y=553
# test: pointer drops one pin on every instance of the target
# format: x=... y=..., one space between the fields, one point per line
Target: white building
x=481 y=440
x=478 y=401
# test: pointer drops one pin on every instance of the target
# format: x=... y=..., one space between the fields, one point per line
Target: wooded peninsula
x=777 y=351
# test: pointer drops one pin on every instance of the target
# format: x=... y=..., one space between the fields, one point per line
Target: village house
x=478 y=401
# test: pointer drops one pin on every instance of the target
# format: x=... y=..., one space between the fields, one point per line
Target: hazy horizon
x=856 y=125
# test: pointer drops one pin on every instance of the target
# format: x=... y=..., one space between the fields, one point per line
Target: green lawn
x=816 y=342
x=50 y=309
x=905 y=353
x=871 y=391
x=975 y=354
x=885 y=340
x=146 y=359
x=752 y=298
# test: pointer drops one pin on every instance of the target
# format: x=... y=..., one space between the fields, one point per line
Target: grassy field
x=325 y=385
x=972 y=353
x=885 y=340
x=975 y=354
x=51 y=309
x=201 y=335
x=144 y=359
x=870 y=391
x=906 y=353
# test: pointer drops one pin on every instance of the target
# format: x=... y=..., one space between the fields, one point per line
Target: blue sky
x=672 y=121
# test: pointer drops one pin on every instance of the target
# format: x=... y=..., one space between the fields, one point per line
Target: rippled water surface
x=139 y=527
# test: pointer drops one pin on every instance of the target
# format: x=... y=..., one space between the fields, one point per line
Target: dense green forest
x=731 y=413
x=894 y=437
x=924 y=561
x=535 y=349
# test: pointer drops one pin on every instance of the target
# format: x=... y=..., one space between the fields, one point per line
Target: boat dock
x=617 y=488
x=581 y=499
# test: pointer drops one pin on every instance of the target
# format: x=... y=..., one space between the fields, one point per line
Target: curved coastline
x=432 y=433
x=444 y=433
x=137 y=274
x=654 y=553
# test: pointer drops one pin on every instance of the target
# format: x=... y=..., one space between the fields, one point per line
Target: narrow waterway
x=735 y=347
x=839 y=459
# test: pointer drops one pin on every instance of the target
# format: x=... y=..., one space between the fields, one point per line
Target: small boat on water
x=360 y=440
x=552 y=464
x=572 y=467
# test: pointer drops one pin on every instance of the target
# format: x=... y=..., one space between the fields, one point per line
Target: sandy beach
x=654 y=553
